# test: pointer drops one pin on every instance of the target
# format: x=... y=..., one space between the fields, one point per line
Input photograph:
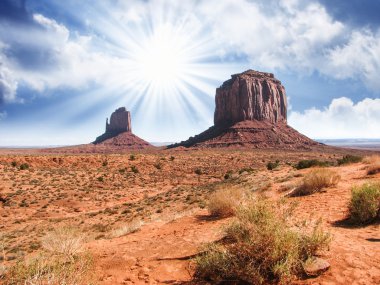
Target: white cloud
x=8 y=84
x=358 y=58
x=291 y=36
x=341 y=119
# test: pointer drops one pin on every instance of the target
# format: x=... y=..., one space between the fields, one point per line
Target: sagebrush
x=260 y=247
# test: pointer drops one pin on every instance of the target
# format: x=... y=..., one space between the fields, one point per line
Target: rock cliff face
x=250 y=95
x=118 y=133
x=120 y=121
x=250 y=111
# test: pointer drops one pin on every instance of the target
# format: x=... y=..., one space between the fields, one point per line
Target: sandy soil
x=168 y=194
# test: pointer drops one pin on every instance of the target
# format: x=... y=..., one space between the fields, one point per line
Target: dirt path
x=355 y=251
x=157 y=254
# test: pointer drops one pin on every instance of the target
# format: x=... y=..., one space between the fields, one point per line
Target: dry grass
x=371 y=159
x=315 y=181
x=67 y=241
x=224 y=202
x=365 y=203
x=129 y=228
x=261 y=247
x=62 y=261
x=373 y=164
x=47 y=269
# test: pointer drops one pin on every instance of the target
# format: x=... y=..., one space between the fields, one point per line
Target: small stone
x=315 y=266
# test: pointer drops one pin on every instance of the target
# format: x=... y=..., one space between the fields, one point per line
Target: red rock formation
x=119 y=133
x=120 y=121
x=250 y=95
x=250 y=111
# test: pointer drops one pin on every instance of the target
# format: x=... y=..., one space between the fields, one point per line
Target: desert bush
x=198 y=171
x=347 y=159
x=134 y=169
x=302 y=164
x=24 y=166
x=47 y=269
x=372 y=159
x=129 y=228
x=224 y=202
x=272 y=165
x=14 y=163
x=365 y=203
x=373 y=168
x=260 y=246
x=62 y=261
x=132 y=157
x=315 y=181
x=66 y=241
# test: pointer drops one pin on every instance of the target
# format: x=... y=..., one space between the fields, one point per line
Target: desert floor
x=162 y=196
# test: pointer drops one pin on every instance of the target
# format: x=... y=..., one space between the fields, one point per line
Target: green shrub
x=365 y=203
x=315 y=181
x=100 y=179
x=198 y=171
x=272 y=165
x=349 y=159
x=132 y=157
x=260 y=247
x=24 y=166
x=302 y=164
x=14 y=163
x=134 y=169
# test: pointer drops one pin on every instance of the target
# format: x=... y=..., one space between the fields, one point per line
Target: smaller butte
x=119 y=134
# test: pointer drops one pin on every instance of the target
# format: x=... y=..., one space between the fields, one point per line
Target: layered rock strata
x=250 y=111
x=250 y=95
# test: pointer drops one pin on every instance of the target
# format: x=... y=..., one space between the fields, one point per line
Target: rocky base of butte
x=250 y=111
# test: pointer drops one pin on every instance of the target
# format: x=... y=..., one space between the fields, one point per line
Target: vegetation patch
x=307 y=163
x=315 y=181
x=347 y=159
x=365 y=203
x=273 y=165
x=261 y=246
x=62 y=261
x=224 y=202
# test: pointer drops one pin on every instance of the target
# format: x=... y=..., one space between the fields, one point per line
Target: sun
x=163 y=58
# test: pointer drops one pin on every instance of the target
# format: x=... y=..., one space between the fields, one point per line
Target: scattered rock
x=315 y=266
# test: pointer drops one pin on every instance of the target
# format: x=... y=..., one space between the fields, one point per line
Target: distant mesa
x=251 y=111
x=119 y=132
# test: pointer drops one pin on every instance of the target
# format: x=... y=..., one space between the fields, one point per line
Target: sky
x=65 y=66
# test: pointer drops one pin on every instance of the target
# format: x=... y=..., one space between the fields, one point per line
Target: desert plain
x=143 y=215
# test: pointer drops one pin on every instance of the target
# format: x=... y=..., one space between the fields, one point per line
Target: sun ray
x=165 y=66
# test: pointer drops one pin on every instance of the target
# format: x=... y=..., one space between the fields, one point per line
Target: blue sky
x=66 y=65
